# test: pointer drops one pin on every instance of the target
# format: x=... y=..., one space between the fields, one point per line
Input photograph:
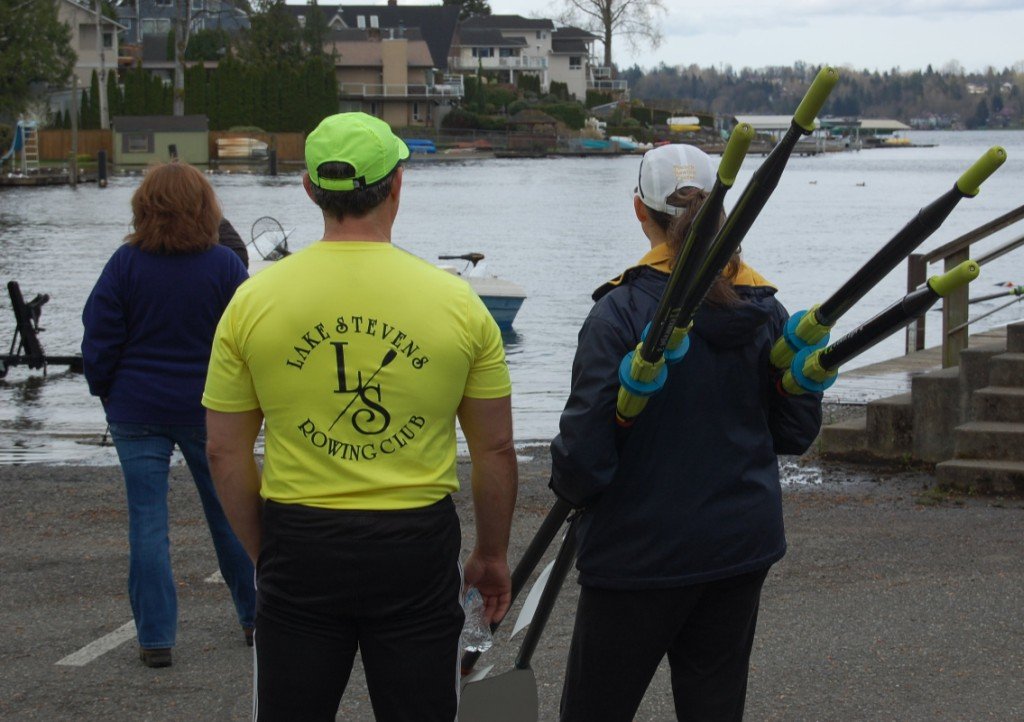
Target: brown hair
x=690 y=199
x=174 y=210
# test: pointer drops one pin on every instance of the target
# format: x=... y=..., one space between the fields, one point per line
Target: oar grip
x=734 y=153
x=951 y=280
x=815 y=97
x=970 y=182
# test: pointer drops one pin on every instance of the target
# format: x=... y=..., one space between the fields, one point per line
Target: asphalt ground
x=895 y=601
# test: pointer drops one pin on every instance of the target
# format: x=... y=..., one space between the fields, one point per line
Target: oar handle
x=810 y=329
x=970 y=182
x=815 y=369
x=815 y=98
x=955 y=278
x=734 y=153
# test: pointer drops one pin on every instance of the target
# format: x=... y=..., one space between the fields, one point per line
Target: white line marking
x=101 y=646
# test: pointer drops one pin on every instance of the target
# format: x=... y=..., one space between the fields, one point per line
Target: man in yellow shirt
x=358 y=357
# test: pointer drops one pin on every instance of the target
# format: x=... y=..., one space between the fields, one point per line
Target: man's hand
x=491 y=577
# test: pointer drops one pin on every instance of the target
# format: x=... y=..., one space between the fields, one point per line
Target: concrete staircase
x=967 y=421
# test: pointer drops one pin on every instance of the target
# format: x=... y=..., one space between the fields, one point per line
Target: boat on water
x=502 y=297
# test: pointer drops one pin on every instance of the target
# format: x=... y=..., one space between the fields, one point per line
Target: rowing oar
x=531 y=557
x=810 y=328
x=512 y=696
x=1015 y=291
x=641 y=373
x=1017 y=299
x=815 y=369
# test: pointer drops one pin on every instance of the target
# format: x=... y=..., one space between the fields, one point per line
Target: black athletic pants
x=384 y=582
x=620 y=638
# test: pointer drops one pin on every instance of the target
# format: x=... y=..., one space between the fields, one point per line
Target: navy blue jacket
x=691 y=492
x=149 y=325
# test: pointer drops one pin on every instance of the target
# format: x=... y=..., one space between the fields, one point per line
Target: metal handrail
x=955 y=321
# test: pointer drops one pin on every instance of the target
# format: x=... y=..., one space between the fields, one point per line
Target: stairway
x=968 y=421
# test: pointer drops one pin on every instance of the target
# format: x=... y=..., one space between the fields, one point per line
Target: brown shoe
x=155 y=657
x=248 y=632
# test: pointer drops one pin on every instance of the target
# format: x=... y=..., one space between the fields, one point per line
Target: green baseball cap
x=364 y=143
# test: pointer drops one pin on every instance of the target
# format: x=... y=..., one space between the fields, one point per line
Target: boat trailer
x=25 y=346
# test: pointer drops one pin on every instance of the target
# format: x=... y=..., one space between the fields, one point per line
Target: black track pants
x=620 y=638
x=385 y=583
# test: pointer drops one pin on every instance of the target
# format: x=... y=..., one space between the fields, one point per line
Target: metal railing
x=608 y=85
x=393 y=90
x=498 y=63
x=955 y=322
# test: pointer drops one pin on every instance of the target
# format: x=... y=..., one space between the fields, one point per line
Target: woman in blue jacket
x=682 y=513
x=149 y=325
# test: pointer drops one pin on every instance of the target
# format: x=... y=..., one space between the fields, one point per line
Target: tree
x=470 y=8
x=35 y=47
x=635 y=20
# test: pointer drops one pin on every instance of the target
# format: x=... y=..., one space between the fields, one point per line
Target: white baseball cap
x=666 y=169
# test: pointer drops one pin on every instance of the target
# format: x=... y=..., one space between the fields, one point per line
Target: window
x=108 y=39
x=137 y=143
x=575 y=62
x=483 y=52
x=506 y=52
x=541 y=35
x=415 y=111
x=156 y=26
x=302 y=21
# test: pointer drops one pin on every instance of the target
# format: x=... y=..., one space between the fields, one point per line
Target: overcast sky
x=873 y=34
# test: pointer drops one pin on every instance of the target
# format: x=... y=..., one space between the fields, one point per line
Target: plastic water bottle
x=476 y=633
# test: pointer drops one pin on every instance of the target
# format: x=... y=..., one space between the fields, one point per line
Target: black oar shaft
x=926 y=222
x=705 y=224
x=527 y=563
x=867 y=335
x=563 y=563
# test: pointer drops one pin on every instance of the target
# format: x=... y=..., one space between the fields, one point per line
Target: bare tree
x=635 y=20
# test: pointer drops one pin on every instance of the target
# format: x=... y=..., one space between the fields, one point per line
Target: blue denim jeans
x=145 y=454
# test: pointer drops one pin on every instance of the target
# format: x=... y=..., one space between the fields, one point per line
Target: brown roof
x=160 y=123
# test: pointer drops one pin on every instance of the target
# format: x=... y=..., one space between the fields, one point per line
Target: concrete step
x=999 y=403
x=974 y=372
x=1006 y=369
x=937 y=412
x=890 y=425
x=844 y=439
x=1015 y=337
x=999 y=440
x=984 y=476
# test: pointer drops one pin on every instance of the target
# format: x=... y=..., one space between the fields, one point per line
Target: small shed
x=144 y=139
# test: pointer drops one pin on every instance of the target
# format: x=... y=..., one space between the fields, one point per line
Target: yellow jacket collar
x=660 y=258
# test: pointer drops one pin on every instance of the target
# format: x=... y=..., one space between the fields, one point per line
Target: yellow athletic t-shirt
x=358 y=354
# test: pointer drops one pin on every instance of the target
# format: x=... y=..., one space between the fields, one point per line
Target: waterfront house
x=143 y=139
x=141 y=18
x=94 y=50
x=508 y=45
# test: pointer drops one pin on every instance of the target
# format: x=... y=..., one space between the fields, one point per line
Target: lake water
x=558 y=227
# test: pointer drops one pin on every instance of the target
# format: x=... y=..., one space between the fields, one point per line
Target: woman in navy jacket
x=682 y=513
x=149 y=325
